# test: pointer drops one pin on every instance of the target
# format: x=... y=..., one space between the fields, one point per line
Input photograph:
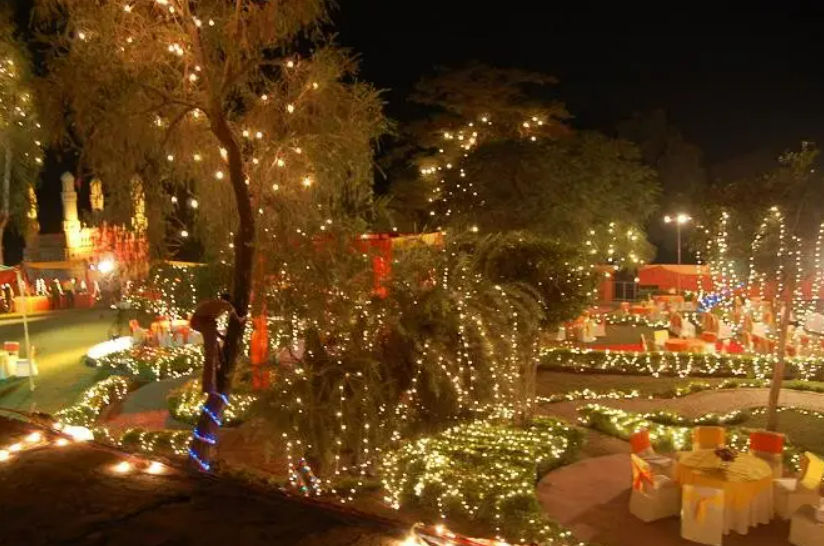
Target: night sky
x=733 y=81
x=745 y=82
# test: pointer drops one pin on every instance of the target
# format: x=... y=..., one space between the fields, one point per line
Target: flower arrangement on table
x=726 y=454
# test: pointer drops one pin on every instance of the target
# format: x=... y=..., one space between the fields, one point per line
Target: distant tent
x=668 y=277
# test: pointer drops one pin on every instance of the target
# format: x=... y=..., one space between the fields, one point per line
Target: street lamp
x=679 y=220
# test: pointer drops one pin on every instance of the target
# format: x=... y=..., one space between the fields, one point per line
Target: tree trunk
x=208 y=423
x=778 y=370
x=4 y=215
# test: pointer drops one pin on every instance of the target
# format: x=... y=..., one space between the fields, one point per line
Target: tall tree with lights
x=497 y=155
x=21 y=155
x=244 y=104
x=771 y=236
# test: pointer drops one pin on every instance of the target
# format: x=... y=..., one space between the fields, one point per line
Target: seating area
x=716 y=491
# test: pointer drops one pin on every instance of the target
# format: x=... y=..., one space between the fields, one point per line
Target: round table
x=747 y=483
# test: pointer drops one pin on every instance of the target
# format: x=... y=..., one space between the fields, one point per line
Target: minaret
x=71 y=224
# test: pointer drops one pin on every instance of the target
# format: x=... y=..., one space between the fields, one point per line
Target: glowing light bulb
x=156 y=468
x=122 y=467
x=60 y=442
x=34 y=437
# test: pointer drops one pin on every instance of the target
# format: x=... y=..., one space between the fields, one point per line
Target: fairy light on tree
x=186 y=80
x=785 y=243
x=21 y=155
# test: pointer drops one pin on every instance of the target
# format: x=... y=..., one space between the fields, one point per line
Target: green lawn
x=61 y=340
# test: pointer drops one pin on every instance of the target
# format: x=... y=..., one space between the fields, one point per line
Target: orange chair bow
x=641 y=473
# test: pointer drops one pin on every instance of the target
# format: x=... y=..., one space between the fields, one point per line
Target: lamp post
x=21 y=287
x=679 y=220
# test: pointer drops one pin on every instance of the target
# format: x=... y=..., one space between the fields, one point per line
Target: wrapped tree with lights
x=21 y=154
x=243 y=104
x=769 y=238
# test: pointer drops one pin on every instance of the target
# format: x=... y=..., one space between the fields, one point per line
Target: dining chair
x=769 y=447
x=653 y=496
x=793 y=493
x=642 y=447
x=707 y=437
x=806 y=529
x=702 y=515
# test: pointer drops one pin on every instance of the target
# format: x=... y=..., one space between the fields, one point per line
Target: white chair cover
x=561 y=335
x=687 y=330
x=702 y=515
x=654 y=497
x=790 y=495
x=26 y=367
x=724 y=330
x=805 y=529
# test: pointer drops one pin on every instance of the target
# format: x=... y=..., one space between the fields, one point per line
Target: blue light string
x=211 y=440
x=203 y=464
x=214 y=417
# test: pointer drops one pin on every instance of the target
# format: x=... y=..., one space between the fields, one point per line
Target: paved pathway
x=70 y=495
x=146 y=407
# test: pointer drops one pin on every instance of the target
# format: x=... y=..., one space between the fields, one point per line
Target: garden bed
x=484 y=473
x=659 y=364
x=154 y=363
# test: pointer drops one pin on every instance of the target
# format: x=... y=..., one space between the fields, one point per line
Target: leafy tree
x=21 y=157
x=776 y=226
x=497 y=156
x=245 y=104
x=452 y=338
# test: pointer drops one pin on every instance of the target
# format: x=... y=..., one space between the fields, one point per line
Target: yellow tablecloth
x=746 y=482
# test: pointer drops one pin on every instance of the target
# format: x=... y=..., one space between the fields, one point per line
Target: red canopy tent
x=668 y=277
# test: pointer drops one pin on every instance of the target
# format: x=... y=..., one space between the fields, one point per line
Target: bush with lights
x=94 y=400
x=484 y=472
x=155 y=363
x=678 y=364
x=173 y=290
x=186 y=403
x=442 y=343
